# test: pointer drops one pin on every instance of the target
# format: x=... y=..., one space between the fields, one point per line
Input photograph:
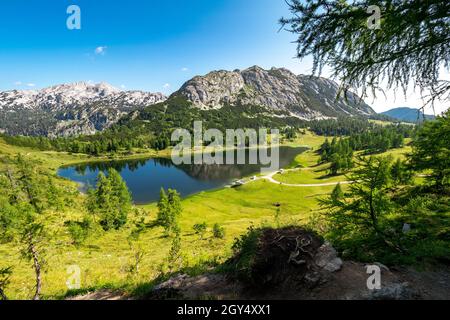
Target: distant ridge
x=407 y=114
x=79 y=108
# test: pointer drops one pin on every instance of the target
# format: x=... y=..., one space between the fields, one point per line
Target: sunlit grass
x=105 y=257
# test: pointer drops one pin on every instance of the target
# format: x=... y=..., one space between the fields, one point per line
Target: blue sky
x=147 y=44
x=143 y=44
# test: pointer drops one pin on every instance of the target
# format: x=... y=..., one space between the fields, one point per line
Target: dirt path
x=270 y=177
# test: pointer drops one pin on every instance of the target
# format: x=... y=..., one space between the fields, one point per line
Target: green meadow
x=105 y=258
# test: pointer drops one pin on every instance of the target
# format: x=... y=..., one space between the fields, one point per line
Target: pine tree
x=163 y=208
x=431 y=150
x=200 y=229
x=121 y=197
x=104 y=207
x=337 y=194
x=21 y=213
x=169 y=209
x=325 y=151
x=110 y=201
x=336 y=164
x=91 y=203
x=53 y=195
x=366 y=202
x=400 y=173
x=5 y=275
x=174 y=258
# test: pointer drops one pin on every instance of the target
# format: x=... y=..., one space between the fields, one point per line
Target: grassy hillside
x=309 y=172
x=105 y=258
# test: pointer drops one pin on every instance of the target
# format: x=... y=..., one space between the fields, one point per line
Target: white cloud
x=166 y=86
x=184 y=69
x=101 y=50
x=20 y=83
x=122 y=86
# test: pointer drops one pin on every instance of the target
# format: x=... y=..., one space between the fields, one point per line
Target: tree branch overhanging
x=409 y=49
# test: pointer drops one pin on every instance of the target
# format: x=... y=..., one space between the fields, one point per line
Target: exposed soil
x=284 y=257
x=294 y=264
x=349 y=283
x=101 y=295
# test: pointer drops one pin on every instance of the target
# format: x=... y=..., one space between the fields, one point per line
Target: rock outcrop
x=277 y=89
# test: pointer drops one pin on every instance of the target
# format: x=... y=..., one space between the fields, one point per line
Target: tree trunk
x=381 y=233
x=13 y=184
x=373 y=215
x=3 y=295
x=37 y=268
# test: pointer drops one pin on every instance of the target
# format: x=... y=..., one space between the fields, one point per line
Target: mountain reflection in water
x=145 y=177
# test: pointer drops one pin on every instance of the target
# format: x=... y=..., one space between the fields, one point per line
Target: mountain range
x=86 y=108
x=408 y=114
x=69 y=109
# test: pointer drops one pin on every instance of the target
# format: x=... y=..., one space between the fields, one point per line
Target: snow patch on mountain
x=69 y=109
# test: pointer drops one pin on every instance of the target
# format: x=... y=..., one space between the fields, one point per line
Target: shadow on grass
x=146 y=290
x=71 y=293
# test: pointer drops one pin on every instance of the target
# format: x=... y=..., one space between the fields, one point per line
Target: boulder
x=327 y=259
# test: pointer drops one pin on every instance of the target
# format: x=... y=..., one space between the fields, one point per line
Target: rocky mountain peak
x=213 y=89
x=276 y=89
x=82 y=89
x=69 y=109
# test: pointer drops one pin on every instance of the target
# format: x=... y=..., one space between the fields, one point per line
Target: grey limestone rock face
x=277 y=89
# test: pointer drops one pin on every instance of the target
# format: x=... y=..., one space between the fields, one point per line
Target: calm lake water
x=145 y=177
